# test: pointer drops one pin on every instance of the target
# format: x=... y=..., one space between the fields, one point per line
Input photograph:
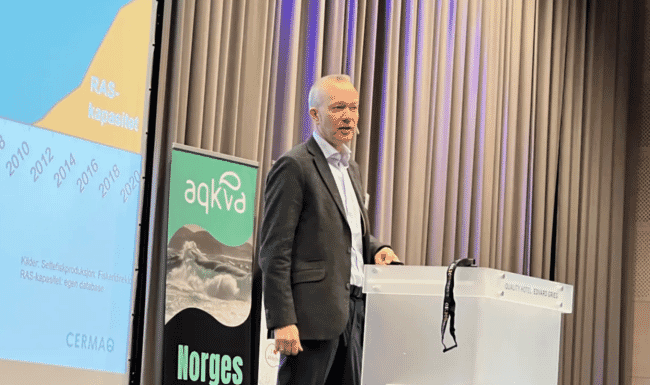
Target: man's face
x=338 y=113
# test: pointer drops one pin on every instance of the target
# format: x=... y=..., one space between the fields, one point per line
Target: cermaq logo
x=208 y=196
x=89 y=342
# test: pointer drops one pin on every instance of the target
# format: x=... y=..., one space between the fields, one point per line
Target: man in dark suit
x=314 y=241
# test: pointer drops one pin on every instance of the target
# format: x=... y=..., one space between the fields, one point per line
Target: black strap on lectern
x=449 y=307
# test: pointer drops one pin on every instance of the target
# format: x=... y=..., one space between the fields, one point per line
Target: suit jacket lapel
x=356 y=184
x=324 y=170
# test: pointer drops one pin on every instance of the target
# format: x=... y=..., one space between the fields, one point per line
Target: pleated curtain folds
x=489 y=129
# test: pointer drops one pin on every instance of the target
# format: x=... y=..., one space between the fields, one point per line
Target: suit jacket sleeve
x=283 y=198
x=373 y=247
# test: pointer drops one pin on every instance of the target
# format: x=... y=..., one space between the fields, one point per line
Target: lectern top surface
x=469 y=282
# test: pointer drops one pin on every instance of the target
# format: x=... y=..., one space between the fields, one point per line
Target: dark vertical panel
x=285 y=15
x=310 y=46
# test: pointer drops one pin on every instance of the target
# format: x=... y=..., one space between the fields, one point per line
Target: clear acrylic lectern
x=507 y=327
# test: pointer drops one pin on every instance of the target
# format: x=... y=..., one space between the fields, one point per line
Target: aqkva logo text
x=200 y=366
x=208 y=196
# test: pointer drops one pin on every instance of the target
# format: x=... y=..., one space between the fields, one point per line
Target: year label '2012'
x=38 y=167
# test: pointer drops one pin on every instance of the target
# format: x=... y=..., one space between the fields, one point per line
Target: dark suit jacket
x=305 y=244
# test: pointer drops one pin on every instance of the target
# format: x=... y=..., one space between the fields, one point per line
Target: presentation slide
x=72 y=121
x=69 y=215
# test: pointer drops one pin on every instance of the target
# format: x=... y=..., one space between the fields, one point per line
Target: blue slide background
x=64 y=225
x=46 y=50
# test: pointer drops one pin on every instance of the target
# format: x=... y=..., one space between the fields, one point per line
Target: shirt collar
x=331 y=154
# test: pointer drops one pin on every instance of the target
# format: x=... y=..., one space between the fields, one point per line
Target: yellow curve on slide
x=108 y=107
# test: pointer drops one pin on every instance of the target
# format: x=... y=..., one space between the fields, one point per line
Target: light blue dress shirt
x=339 y=163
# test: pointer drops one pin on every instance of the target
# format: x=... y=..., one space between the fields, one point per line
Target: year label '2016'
x=84 y=179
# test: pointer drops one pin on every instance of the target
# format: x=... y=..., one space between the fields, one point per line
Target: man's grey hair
x=316 y=91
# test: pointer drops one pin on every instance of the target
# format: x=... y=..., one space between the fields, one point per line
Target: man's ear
x=314 y=115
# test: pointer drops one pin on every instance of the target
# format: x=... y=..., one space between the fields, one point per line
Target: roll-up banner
x=207 y=334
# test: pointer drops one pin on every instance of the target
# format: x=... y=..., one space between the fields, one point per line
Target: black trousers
x=329 y=362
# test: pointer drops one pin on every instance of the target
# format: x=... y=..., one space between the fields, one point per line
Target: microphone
x=357 y=130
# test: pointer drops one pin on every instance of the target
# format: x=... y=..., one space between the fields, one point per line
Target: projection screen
x=74 y=97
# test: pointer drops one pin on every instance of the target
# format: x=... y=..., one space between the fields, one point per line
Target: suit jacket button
x=347 y=286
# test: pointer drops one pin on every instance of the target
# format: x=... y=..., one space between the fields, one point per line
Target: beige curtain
x=591 y=130
x=489 y=129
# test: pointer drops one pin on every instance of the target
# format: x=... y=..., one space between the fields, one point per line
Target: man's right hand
x=287 y=340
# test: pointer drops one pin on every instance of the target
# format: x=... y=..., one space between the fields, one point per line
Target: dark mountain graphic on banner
x=208 y=244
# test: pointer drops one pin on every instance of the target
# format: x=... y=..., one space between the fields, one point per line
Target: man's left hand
x=385 y=256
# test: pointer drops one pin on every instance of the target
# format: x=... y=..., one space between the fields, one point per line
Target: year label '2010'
x=14 y=162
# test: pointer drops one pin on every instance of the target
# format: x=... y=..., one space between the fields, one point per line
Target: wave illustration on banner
x=204 y=273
